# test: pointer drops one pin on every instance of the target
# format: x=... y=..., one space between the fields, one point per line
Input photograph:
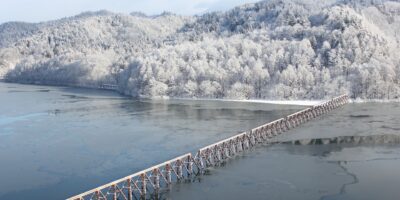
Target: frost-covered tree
x=272 y=49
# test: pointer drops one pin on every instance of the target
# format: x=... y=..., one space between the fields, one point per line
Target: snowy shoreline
x=374 y=101
x=262 y=101
x=277 y=102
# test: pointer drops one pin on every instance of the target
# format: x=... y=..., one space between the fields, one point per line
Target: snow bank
x=282 y=102
x=374 y=100
x=277 y=102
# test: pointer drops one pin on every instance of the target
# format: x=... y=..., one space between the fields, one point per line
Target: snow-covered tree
x=272 y=49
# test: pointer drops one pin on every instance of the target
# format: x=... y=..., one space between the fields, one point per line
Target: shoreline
x=261 y=101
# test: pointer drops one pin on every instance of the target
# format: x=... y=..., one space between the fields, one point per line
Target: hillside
x=273 y=49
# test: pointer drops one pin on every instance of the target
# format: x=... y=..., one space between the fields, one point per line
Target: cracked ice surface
x=366 y=171
x=302 y=172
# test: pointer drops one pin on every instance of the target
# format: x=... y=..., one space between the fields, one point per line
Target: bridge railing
x=218 y=152
x=150 y=180
x=161 y=176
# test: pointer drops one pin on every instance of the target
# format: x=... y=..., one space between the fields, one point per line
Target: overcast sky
x=43 y=10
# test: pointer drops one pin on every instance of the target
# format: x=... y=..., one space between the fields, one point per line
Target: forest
x=273 y=49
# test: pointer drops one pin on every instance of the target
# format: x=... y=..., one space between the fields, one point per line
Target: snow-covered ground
x=374 y=100
x=283 y=102
x=277 y=102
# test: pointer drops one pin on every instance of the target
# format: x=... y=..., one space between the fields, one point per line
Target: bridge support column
x=269 y=132
x=114 y=189
x=275 y=128
x=209 y=158
x=263 y=134
x=232 y=148
x=189 y=165
x=226 y=151
x=239 y=145
x=143 y=189
x=282 y=126
x=129 y=186
x=252 y=139
x=156 y=180
x=97 y=195
x=302 y=117
x=168 y=173
x=219 y=154
x=246 y=144
x=179 y=170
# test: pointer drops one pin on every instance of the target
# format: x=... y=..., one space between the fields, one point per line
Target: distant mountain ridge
x=272 y=49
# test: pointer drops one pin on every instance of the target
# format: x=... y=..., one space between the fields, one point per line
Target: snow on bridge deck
x=158 y=178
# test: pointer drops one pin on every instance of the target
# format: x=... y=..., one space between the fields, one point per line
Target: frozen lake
x=56 y=142
x=302 y=172
x=325 y=172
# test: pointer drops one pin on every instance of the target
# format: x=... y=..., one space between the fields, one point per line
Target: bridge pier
x=156 y=179
x=168 y=174
x=143 y=188
x=129 y=186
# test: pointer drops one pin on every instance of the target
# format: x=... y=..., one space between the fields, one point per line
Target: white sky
x=43 y=10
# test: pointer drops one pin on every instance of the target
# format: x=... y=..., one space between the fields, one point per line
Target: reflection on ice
x=370 y=139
